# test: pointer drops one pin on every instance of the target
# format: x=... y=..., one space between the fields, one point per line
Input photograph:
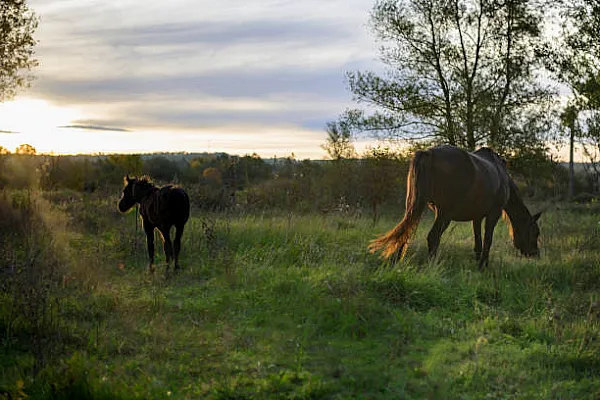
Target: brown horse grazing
x=461 y=186
x=160 y=208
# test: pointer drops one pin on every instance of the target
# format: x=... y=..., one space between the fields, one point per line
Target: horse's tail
x=418 y=188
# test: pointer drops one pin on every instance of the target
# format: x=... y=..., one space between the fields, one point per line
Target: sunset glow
x=58 y=130
x=35 y=122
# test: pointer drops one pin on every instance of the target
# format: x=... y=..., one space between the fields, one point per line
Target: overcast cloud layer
x=189 y=65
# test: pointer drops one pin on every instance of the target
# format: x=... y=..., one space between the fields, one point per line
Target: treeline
x=367 y=184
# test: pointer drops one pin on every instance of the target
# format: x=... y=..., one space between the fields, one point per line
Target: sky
x=239 y=76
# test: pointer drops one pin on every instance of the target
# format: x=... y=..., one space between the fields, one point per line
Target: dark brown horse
x=160 y=208
x=461 y=186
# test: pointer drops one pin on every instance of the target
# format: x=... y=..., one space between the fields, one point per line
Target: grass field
x=285 y=306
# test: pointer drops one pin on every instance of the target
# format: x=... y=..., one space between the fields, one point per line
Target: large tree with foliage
x=574 y=57
x=461 y=72
x=17 y=25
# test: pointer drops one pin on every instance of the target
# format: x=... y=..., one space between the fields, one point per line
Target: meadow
x=279 y=305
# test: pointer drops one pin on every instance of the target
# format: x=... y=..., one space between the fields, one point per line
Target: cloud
x=188 y=65
x=130 y=40
x=220 y=34
x=94 y=128
x=238 y=84
x=189 y=102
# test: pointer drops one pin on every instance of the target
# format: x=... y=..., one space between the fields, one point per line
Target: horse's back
x=178 y=202
x=466 y=186
x=453 y=175
x=167 y=206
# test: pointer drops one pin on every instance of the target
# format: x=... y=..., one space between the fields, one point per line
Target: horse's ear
x=537 y=216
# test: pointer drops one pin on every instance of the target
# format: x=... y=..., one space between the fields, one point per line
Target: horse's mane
x=145 y=179
x=508 y=222
x=505 y=216
x=493 y=153
x=515 y=199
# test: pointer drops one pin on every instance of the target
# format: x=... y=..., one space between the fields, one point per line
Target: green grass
x=293 y=307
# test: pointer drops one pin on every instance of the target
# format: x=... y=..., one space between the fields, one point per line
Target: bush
x=30 y=278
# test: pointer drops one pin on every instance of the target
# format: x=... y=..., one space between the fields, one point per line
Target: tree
x=591 y=149
x=458 y=71
x=161 y=168
x=17 y=25
x=26 y=149
x=338 y=144
x=382 y=173
x=3 y=179
x=213 y=176
x=253 y=169
x=574 y=59
x=113 y=168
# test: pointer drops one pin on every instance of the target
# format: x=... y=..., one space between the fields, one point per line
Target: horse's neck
x=147 y=192
x=515 y=208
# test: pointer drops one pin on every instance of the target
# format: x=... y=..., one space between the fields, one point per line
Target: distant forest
x=369 y=184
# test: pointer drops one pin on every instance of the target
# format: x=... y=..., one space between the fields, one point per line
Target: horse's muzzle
x=124 y=205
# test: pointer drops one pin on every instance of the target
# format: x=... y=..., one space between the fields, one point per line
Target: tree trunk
x=375 y=216
x=571 y=161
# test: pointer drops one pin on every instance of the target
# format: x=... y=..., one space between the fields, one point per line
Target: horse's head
x=128 y=198
x=525 y=236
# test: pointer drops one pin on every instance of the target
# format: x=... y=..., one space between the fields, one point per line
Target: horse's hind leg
x=477 y=235
x=167 y=245
x=177 y=243
x=435 y=234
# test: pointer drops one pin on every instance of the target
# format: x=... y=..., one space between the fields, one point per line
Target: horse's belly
x=466 y=217
x=464 y=212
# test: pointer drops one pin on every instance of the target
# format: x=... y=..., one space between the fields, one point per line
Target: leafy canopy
x=17 y=25
x=461 y=72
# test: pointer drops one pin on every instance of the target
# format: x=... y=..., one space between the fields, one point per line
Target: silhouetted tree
x=3 y=160
x=17 y=25
x=161 y=168
x=68 y=172
x=25 y=149
x=382 y=174
x=575 y=60
x=338 y=144
x=459 y=71
x=113 y=168
x=253 y=169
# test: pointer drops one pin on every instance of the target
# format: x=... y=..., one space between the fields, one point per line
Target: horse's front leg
x=149 y=229
x=490 y=223
x=477 y=235
x=435 y=234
